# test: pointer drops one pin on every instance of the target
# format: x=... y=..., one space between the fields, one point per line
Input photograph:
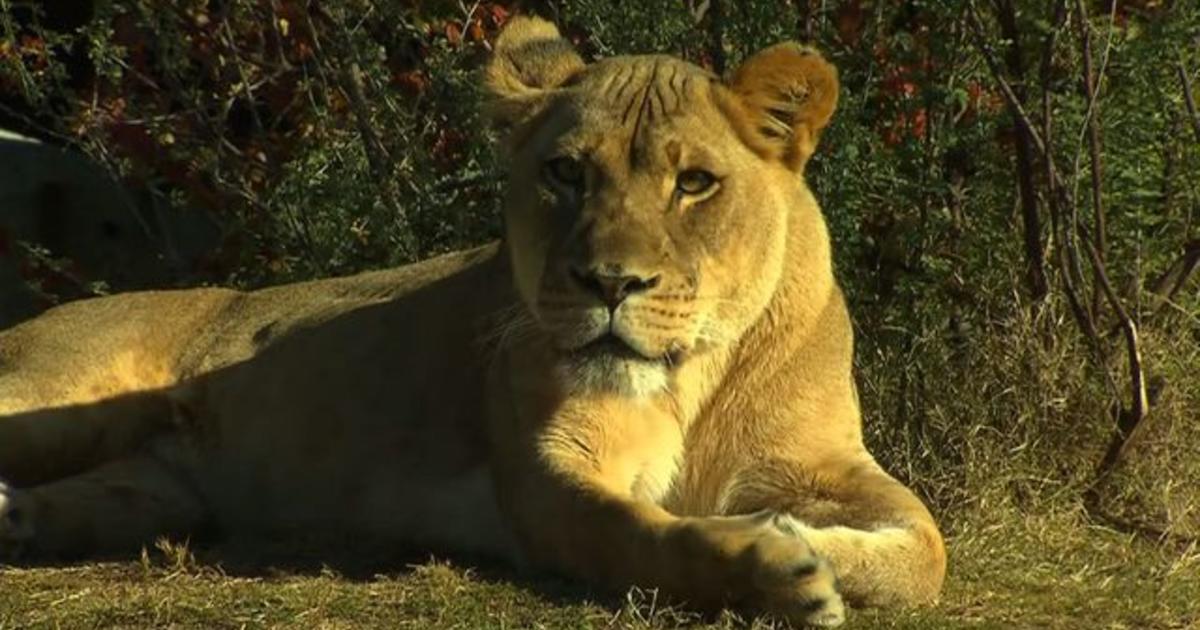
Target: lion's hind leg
x=887 y=565
x=115 y=507
x=883 y=543
x=41 y=445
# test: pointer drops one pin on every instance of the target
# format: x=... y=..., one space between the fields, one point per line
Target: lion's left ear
x=787 y=94
x=529 y=60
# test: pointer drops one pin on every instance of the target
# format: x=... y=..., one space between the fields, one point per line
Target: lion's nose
x=611 y=283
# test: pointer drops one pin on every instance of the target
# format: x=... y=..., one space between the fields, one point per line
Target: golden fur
x=648 y=383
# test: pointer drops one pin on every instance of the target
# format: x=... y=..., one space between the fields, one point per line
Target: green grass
x=1007 y=571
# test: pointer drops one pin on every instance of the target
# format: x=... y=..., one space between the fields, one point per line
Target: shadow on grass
x=358 y=559
x=349 y=558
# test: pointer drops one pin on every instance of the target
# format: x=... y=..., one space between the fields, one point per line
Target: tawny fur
x=460 y=402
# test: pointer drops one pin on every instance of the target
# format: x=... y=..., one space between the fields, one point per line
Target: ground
x=1007 y=571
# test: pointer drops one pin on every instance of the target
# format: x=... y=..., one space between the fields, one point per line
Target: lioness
x=648 y=383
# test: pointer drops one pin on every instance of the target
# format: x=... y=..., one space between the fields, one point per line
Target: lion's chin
x=609 y=366
x=607 y=374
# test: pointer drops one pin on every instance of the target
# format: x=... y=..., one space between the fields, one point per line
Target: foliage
x=245 y=108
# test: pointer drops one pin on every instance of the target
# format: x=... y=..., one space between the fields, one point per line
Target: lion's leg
x=45 y=444
x=882 y=541
x=567 y=493
x=115 y=507
x=570 y=523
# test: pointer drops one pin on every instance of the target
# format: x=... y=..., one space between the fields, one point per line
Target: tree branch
x=1068 y=256
x=1091 y=90
x=1026 y=189
x=1062 y=200
x=1188 y=100
x=711 y=14
x=1168 y=285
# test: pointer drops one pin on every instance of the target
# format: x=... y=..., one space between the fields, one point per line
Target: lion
x=646 y=382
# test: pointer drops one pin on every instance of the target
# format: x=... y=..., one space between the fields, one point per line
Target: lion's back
x=94 y=349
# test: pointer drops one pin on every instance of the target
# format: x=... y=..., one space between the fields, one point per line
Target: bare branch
x=807 y=20
x=1062 y=199
x=1026 y=186
x=1188 y=100
x=699 y=9
x=1131 y=419
x=1091 y=90
x=711 y=15
x=1168 y=285
x=1139 y=403
x=1058 y=197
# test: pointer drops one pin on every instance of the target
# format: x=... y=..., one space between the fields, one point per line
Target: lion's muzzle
x=612 y=283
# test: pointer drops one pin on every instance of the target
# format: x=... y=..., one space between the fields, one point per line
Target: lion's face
x=641 y=229
x=646 y=222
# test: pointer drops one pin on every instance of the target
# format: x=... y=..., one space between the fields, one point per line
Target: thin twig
x=377 y=155
x=1068 y=257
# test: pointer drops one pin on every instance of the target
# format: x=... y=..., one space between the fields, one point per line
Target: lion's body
x=640 y=387
x=228 y=368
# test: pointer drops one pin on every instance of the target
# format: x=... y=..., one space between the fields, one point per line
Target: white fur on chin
x=629 y=378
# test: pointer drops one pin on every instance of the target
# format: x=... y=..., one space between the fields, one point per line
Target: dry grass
x=1007 y=571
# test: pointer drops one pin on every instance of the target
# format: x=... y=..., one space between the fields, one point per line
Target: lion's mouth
x=610 y=345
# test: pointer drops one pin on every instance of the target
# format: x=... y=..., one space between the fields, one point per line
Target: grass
x=1008 y=570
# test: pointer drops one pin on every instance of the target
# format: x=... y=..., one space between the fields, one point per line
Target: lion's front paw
x=764 y=565
x=789 y=579
x=16 y=521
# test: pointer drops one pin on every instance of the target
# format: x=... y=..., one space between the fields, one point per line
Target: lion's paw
x=16 y=521
x=790 y=579
x=764 y=564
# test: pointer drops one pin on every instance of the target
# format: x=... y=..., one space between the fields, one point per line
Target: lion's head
x=648 y=200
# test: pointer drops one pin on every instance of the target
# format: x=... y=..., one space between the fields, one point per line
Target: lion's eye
x=565 y=171
x=695 y=182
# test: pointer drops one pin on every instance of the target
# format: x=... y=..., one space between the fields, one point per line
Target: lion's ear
x=787 y=93
x=529 y=60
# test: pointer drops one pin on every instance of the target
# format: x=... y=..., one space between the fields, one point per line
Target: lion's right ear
x=529 y=60
x=788 y=93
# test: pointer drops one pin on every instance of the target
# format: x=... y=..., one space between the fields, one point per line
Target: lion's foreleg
x=575 y=525
x=573 y=512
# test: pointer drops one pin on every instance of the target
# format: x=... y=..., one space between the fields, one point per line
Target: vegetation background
x=1013 y=188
